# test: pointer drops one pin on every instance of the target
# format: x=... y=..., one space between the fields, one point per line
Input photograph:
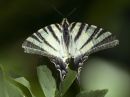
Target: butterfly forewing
x=41 y=43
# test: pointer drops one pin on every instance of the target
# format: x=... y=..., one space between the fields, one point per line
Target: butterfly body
x=66 y=41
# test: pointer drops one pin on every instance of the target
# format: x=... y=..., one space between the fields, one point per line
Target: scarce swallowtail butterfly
x=64 y=41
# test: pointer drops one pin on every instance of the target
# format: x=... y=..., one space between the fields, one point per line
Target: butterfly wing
x=87 y=39
x=48 y=42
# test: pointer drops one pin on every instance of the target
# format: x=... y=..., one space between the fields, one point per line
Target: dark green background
x=20 y=18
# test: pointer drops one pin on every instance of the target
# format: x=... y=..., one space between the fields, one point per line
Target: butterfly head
x=65 y=22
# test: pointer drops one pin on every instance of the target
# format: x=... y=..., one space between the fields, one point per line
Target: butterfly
x=61 y=42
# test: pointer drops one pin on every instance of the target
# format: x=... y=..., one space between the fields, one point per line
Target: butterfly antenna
x=61 y=14
x=73 y=10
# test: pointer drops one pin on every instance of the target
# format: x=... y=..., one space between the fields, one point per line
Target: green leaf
x=68 y=81
x=18 y=87
x=97 y=93
x=26 y=84
x=8 y=89
x=47 y=81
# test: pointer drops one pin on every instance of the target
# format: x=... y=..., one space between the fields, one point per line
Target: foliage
x=9 y=87
x=20 y=87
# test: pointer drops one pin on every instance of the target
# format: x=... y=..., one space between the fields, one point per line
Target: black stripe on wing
x=58 y=27
x=36 y=38
x=28 y=44
x=91 y=37
x=72 y=26
x=53 y=33
x=40 y=36
x=79 y=32
x=108 y=42
x=45 y=30
x=104 y=41
x=45 y=41
x=101 y=32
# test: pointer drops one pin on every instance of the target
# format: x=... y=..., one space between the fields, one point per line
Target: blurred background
x=108 y=69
